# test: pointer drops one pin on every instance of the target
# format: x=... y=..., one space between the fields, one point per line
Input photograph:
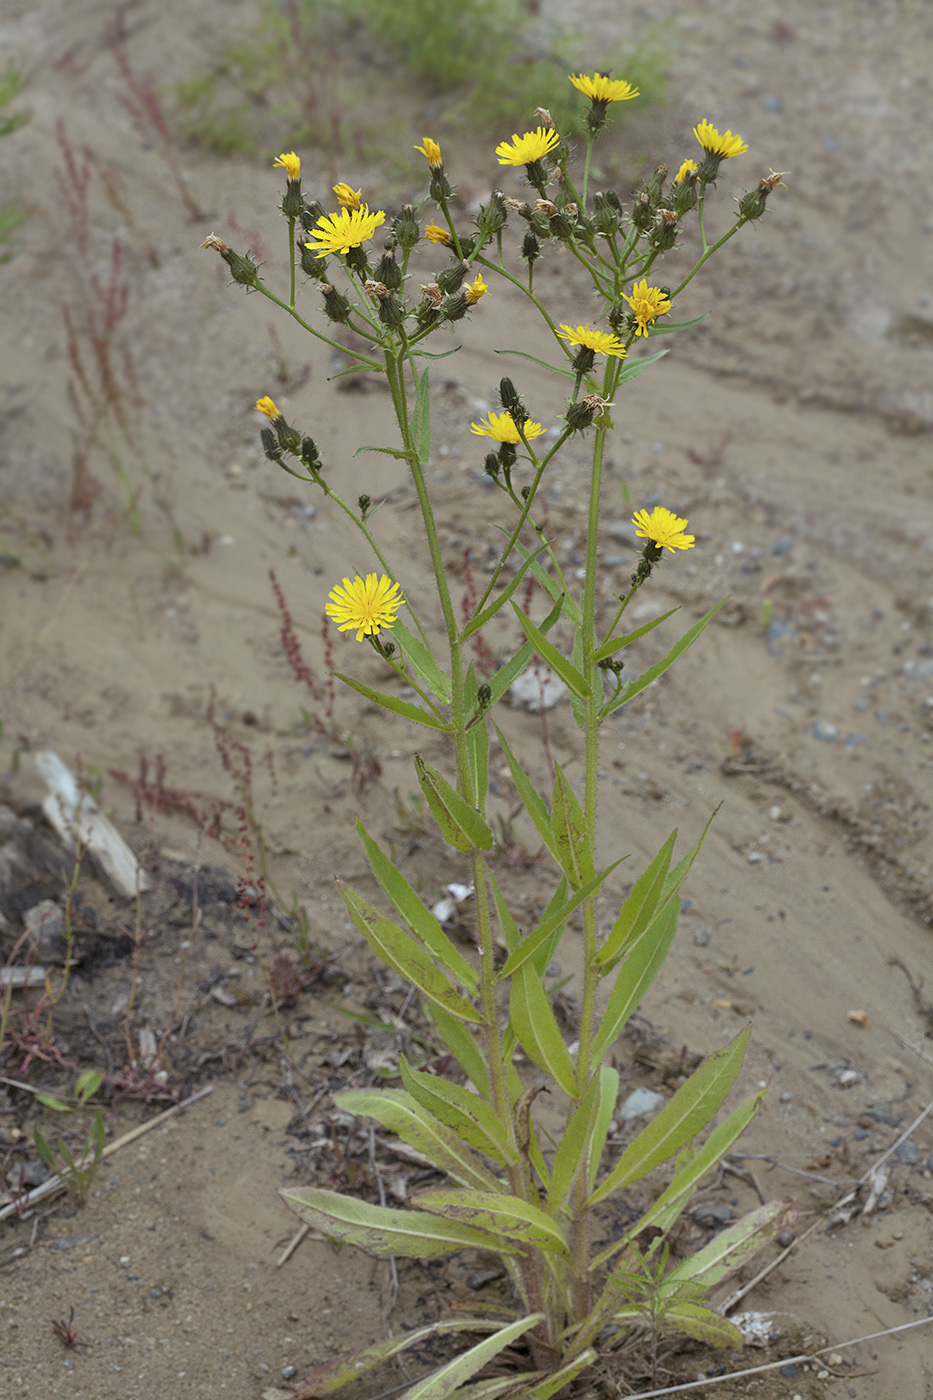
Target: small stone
x=712 y=1217
x=288 y=1372
x=155 y=1293
x=789 y=1370
x=782 y=546
x=481 y=1277
x=639 y=1103
x=907 y=1152
x=834 y=1358
x=28 y=1174
x=702 y=936
x=826 y=731
x=786 y=1238
x=860 y=1134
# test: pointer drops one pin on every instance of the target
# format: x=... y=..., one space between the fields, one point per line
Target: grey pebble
x=773 y=104
x=907 y=1152
x=860 y=1134
x=825 y=730
x=782 y=546
x=712 y=1217
x=640 y=1102
x=702 y=936
x=481 y=1277
x=155 y=1293
x=288 y=1372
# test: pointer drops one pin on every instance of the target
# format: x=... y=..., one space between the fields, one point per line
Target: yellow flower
x=367 y=604
x=337 y=233
x=435 y=234
x=647 y=304
x=347 y=197
x=684 y=170
x=664 y=527
x=725 y=146
x=604 y=89
x=477 y=290
x=500 y=428
x=522 y=150
x=266 y=406
x=290 y=163
x=602 y=342
x=431 y=152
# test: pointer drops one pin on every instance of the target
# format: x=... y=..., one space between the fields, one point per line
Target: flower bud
x=452 y=277
x=310 y=214
x=684 y=194
x=389 y=272
x=512 y=404
x=289 y=437
x=292 y=200
x=642 y=212
x=364 y=504
x=311 y=265
x=531 y=248
x=492 y=216
x=336 y=305
x=357 y=260
x=441 y=190
x=491 y=465
x=392 y=312
x=664 y=234
x=309 y=454
x=405 y=228
x=270 y=445
x=654 y=187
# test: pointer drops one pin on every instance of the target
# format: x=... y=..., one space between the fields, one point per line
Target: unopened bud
x=405 y=228
x=364 y=504
x=270 y=445
x=491 y=465
x=642 y=212
x=336 y=305
x=484 y=696
x=441 y=190
x=452 y=277
x=492 y=216
x=664 y=234
x=312 y=211
x=531 y=248
x=292 y=200
x=357 y=260
x=309 y=454
x=391 y=312
x=389 y=272
x=289 y=437
x=311 y=265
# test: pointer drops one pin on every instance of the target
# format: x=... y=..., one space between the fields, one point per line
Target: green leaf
x=689 y=1172
x=442 y=1383
x=461 y=825
x=435 y=354
x=50 y=1101
x=634 y=688
x=478 y=752
x=419 y=658
x=533 y=1018
x=456 y=1036
x=632 y=368
x=534 y=806
x=419 y=919
x=732 y=1247
x=551 y=586
x=676 y=877
x=333 y=1375
x=669 y=327
x=702 y=1323
x=44 y=1151
x=556 y=1381
x=570 y=833
x=401 y=454
x=489 y=612
x=682 y=1117
x=641 y=905
x=576 y=705
x=87 y=1084
x=421 y=419
x=508 y=1217
x=636 y=975
x=404 y=955
x=549 y=653
x=608 y=1094
x=500 y=681
x=555 y=915
x=555 y=369
x=573 y=1149
x=380 y=1230
x=398 y=706
x=614 y=644
x=403 y=1115
x=456 y=1107
x=510 y=930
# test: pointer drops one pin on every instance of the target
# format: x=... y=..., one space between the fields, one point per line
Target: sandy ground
x=793 y=428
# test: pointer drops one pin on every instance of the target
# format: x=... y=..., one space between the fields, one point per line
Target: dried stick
x=59 y=1182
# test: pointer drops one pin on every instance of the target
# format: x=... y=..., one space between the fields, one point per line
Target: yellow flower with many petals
x=725 y=146
x=347 y=197
x=588 y=338
x=523 y=150
x=266 y=406
x=368 y=604
x=431 y=152
x=290 y=163
x=337 y=233
x=647 y=304
x=500 y=428
x=684 y=171
x=435 y=234
x=477 y=290
x=602 y=88
x=663 y=527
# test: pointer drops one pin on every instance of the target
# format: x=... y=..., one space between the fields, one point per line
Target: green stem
x=705 y=258
x=334 y=344
x=291 y=253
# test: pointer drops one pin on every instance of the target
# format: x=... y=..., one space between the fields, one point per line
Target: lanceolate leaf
x=533 y=1018
x=702 y=1323
x=401 y=1114
x=554 y=917
x=405 y=956
x=681 y=1118
x=456 y=1036
x=669 y=327
x=636 y=975
x=500 y=681
x=478 y=749
x=549 y=653
x=333 y=1375
x=469 y=1115
x=609 y=1093
x=573 y=1148
x=510 y=930
x=732 y=1248
x=420 y=660
x=641 y=905
x=398 y=706
x=533 y=804
x=633 y=367
x=461 y=825
x=442 y=1384
x=408 y=1234
x=489 y=612
x=614 y=644
x=421 y=419
x=419 y=919
x=628 y=692
x=556 y=1381
x=504 y=1215
x=573 y=850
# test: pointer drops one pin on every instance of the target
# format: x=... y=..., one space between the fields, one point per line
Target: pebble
x=861 y=1133
x=825 y=730
x=639 y=1103
x=712 y=1217
x=481 y=1277
x=288 y=1372
x=782 y=546
x=907 y=1152
x=702 y=936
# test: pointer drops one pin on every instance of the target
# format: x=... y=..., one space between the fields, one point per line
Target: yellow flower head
x=347 y=197
x=664 y=527
x=337 y=233
x=522 y=150
x=604 y=89
x=588 y=338
x=435 y=234
x=290 y=163
x=684 y=170
x=477 y=290
x=431 y=152
x=266 y=406
x=647 y=304
x=725 y=146
x=367 y=604
x=500 y=428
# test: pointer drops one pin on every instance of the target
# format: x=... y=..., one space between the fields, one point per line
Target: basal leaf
x=333 y=1375
x=403 y=1115
x=461 y=825
x=502 y=1215
x=405 y=956
x=381 y=1231
x=732 y=1248
x=394 y=703
x=704 y=1324
x=454 y=1105
x=533 y=1018
x=556 y=1381
x=443 y=1383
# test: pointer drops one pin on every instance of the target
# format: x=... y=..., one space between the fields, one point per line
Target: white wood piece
x=77 y=817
